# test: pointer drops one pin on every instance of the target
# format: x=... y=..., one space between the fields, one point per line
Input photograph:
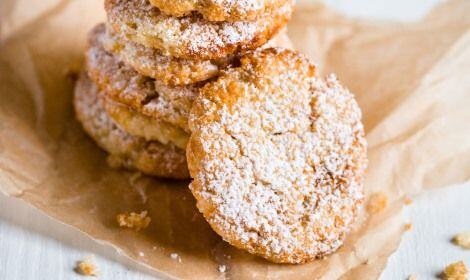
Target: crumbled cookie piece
x=462 y=240
x=377 y=203
x=87 y=267
x=408 y=201
x=408 y=226
x=455 y=271
x=134 y=220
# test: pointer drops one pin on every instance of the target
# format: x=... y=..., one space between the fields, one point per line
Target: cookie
x=217 y=10
x=277 y=156
x=191 y=37
x=125 y=150
x=169 y=70
x=150 y=62
x=144 y=95
x=151 y=129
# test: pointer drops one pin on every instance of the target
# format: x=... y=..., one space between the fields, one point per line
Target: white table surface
x=32 y=246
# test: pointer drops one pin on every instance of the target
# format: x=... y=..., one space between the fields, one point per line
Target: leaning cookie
x=142 y=94
x=278 y=157
x=220 y=10
x=192 y=37
x=135 y=153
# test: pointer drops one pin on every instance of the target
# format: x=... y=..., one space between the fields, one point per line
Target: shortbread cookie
x=191 y=37
x=278 y=157
x=149 y=157
x=149 y=128
x=150 y=62
x=220 y=10
x=169 y=70
x=123 y=84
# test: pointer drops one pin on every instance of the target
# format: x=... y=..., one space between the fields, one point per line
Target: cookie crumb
x=87 y=267
x=412 y=277
x=222 y=268
x=377 y=203
x=134 y=220
x=455 y=271
x=408 y=201
x=141 y=254
x=462 y=240
x=408 y=226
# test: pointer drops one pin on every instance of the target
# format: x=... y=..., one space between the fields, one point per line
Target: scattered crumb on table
x=408 y=226
x=462 y=240
x=87 y=267
x=222 y=268
x=455 y=271
x=134 y=220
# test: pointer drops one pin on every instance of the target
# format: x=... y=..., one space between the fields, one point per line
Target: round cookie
x=149 y=128
x=123 y=84
x=277 y=157
x=149 y=157
x=220 y=10
x=150 y=62
x=169 y=70
x=191 y=37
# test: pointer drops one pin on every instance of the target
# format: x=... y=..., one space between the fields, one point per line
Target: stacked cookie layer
x=145 y=66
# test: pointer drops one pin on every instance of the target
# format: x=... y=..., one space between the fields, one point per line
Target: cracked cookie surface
x=277 y=156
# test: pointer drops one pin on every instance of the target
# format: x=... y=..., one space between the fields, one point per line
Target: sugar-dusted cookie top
x=192 y=37
x=220 y=10
x=277 y=156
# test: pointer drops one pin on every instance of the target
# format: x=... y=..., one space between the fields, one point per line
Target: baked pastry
x=136 y=153
x=277 y=156
x=192 y=37
x=140 y=125
x=169 y=70
x=144 y=95
x=150 y=62
x=219 y=10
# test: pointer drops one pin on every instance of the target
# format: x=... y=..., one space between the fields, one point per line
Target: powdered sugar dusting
x=220 y=10
x=150 y=62
x=280 y=154
x=191 y=36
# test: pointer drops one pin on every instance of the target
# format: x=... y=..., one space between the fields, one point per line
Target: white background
x=32 y=246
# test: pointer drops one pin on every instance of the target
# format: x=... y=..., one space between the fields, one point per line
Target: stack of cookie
x=184 y=87
x=146 y=65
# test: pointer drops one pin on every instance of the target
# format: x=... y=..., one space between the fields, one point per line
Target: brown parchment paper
x=411 y=80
